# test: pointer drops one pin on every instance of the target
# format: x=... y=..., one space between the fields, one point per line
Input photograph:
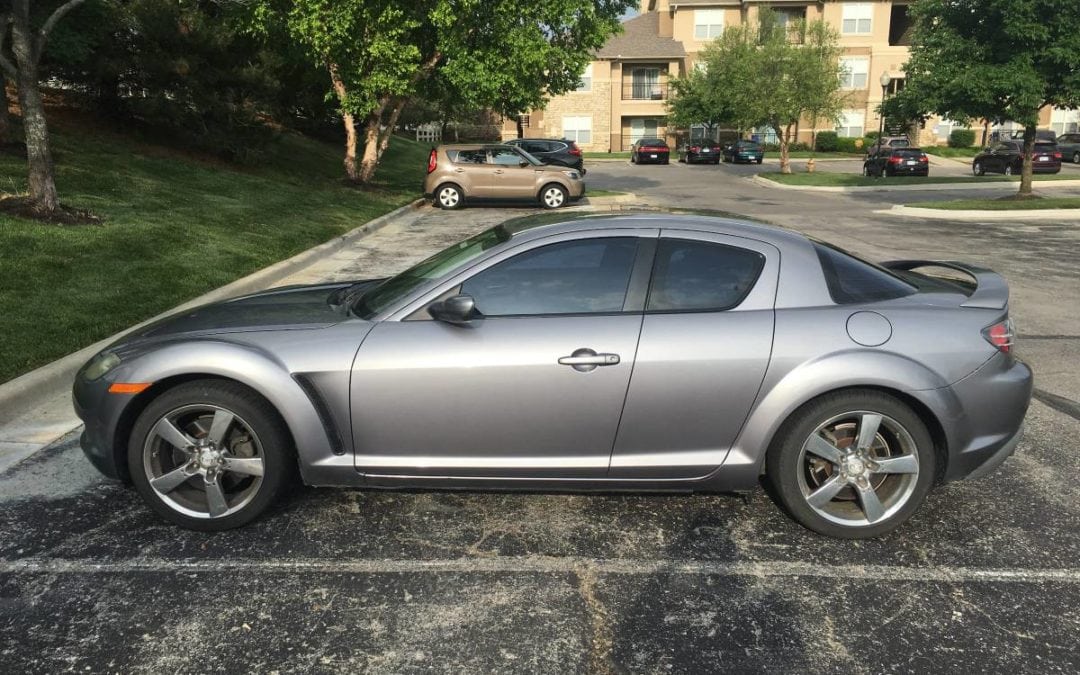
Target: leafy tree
x=695 y=101
x=768 y=74
x=29 y=35
x=498 y=53
x=996 y=60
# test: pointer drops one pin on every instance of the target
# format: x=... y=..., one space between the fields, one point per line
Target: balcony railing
x=645 y=91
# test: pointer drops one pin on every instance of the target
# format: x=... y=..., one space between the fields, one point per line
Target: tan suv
x=456 y=173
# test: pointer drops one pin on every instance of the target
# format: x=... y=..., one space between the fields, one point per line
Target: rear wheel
x=1076 y=157
x=759 y=159
x=448 y=196
x=553 y=196
x=1008 y=170
x=210 y=455
x=853 y=464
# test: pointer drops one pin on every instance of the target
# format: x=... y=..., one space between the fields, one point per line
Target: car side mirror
x=458 y=310
x=523 y=164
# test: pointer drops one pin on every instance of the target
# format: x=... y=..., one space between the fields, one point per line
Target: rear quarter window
x=698 y=276
x=852 y=280
x=468 y=156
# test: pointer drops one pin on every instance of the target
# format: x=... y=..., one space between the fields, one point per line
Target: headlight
x=101 y=364
x=574 y=175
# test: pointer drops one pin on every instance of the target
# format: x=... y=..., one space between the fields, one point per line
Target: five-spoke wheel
x=852 y=464
x=209 y=455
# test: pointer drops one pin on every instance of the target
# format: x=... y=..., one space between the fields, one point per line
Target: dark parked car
x=744 y=151
x=554 y=151
x=1069 y=147
x=897 y=162
x=652 y=150
x=1007 y=157
x=703 y=151
x=887 y=142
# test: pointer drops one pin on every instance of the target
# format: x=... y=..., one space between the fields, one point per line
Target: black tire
x=553 y=196
x=716 y=162
x=1008 y=171
x=665 y=161
x=449 y=196
x=1076 y=157
x=252 y=414
x=789 y=468
x=633 y=159
x=760 y=159
x=978 y=169
x=865 y=170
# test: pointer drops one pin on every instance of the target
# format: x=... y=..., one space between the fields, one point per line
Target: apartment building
x=624 y=90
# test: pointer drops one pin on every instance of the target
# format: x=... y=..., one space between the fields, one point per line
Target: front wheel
x=759 y=160
x=210 y=455
x=1008 y=170
x=853 y=464
x=553 y=196
x=978 y=169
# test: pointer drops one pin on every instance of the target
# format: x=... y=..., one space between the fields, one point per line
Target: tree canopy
x=993 y=59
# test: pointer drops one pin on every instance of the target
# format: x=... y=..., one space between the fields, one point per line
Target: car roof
x=538 y=138
x=473 y=146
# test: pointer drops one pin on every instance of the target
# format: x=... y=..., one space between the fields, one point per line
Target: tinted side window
x=586 y=276
x=701 y=276
x=851 y=280
x=468 y=156
x=534 y=146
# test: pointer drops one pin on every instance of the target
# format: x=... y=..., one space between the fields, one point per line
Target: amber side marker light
x=129 y=387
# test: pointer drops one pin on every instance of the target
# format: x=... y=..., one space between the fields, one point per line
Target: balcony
x=645 y=91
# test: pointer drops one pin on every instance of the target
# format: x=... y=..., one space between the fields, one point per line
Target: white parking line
x=544 y=564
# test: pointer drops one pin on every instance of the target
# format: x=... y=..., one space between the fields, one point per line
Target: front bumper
x=100 y=413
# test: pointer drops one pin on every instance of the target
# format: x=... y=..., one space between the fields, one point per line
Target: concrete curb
x=929 y=187
x=627 y=198
x=28 y=391
x=943 y=214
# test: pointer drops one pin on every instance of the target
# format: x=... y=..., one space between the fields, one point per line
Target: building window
x=854 y=72
x=851 y=124
x=944 y=128
x=646 y=84
x=764 y=134
x=1064 y=121
x=644 y=128
x=577 y=129
x=788 y=16
x=857 y=18
x=585 y=84
x=708 y=23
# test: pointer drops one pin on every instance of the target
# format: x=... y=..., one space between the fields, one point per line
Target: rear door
x=473 y=172
x=705 y=344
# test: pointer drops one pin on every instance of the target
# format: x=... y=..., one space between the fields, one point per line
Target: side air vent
x=317 y=400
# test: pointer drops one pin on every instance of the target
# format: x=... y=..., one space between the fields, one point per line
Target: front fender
x=249 y=365
x=784 y=392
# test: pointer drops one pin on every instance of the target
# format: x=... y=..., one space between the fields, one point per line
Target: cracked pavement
x=984 y=578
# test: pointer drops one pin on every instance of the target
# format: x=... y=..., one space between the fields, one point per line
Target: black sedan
x=1007 y=157
x=744 y=151
x=553 y=151
x=897 y=162
x=649 y=150
x=703 y=151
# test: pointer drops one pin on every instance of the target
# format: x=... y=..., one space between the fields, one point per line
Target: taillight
x=1057 y=155
x=575 y=150
x=924 y=158
x=432 y=160
x=1000 y=335
x=695 y=148
x=895 y=160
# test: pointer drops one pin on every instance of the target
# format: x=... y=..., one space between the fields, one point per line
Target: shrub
x=872 y=135
x=962 y=138
x=827 y=141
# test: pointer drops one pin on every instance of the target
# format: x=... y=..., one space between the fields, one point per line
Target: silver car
x=619 y=352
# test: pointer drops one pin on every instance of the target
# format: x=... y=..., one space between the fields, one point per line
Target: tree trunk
x=782 y=136
x=5 y=113
x=349 y=121
x=370 y=159
x=41 y=181
x=1026 y=169
x=384 y=140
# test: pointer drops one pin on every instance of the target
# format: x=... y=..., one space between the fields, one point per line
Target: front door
x=533 y=386
x=705 y=345
x=509 y=179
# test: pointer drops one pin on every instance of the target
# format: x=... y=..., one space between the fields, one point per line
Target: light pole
x=885 y=80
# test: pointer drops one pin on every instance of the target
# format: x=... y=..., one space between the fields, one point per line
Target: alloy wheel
x=1076 y=157
x=449 y=197
x=977 y=169
x=858 y=468
x=554 y=197
x=1008 y=170
x=203 y=461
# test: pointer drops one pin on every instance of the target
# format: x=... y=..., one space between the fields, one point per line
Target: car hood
x=286 y=308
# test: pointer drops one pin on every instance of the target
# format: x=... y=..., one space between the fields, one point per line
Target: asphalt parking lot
x=984 y=578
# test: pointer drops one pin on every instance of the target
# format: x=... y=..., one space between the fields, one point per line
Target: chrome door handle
x=498 y=171
x=459 y=170
x=585 y=360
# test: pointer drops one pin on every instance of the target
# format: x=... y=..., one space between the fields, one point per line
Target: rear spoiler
x=991 y=289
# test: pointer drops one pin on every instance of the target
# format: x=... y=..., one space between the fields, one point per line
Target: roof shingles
x=641 y=39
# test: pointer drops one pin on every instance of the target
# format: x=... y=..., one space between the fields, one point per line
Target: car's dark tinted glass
x=912 y=153
x=651 y=141
x=751 y=145
x=506 y=157
x=852 y=280
x=701 y=276
x=468 y=156
x=586 y=276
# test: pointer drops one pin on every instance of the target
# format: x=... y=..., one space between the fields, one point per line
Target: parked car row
x=1007 y=157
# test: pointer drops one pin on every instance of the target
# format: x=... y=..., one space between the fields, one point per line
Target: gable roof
x=641 y=39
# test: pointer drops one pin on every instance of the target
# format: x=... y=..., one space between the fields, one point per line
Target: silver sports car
x=620 y=352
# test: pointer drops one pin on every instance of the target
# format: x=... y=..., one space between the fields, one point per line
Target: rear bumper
x=661 y=157
x=987 y=419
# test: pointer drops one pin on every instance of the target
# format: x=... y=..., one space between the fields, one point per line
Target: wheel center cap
x=206 y=459
x=854 y=466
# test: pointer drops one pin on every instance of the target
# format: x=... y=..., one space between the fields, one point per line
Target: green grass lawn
x=946 y=151
x=1008 y=204
x=604 y=193
x=606 y=155
x=175 y=227
x=827 y=179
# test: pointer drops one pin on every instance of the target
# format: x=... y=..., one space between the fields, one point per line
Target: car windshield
x=437 y=266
